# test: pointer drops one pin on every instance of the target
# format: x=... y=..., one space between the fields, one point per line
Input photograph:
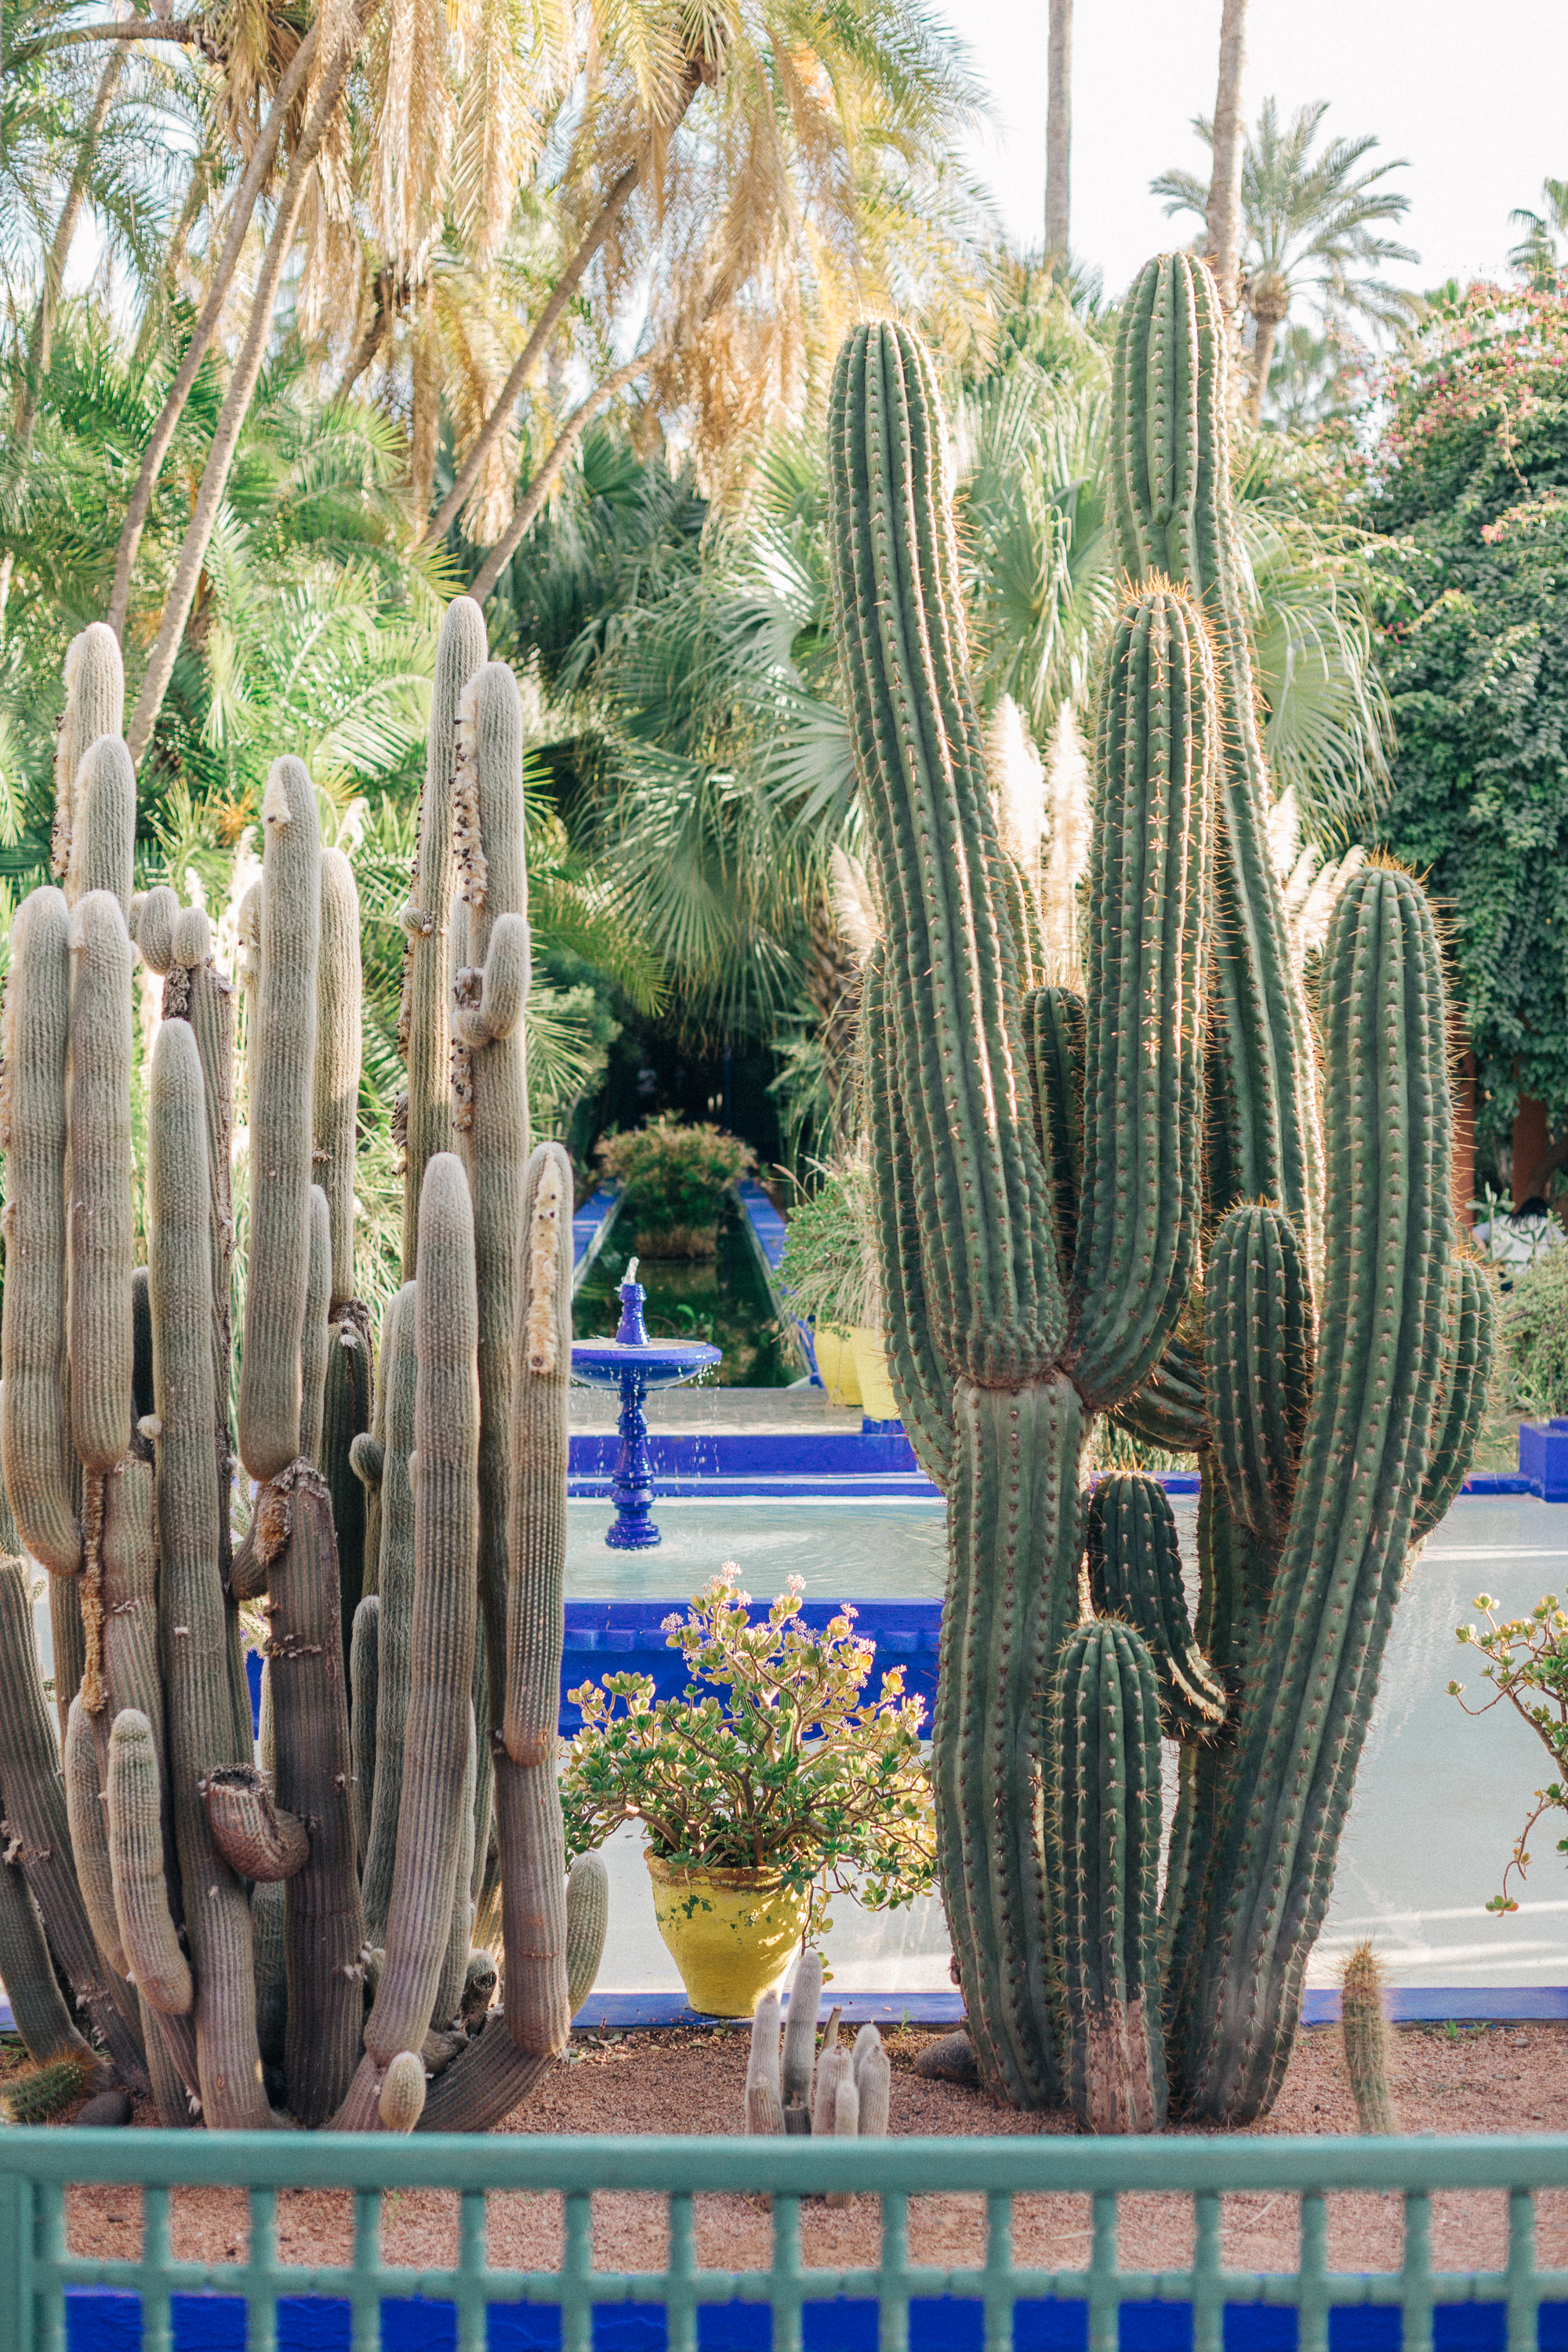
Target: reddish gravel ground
x=1513 y=2079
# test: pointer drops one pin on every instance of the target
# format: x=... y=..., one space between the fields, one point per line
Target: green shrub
x=1535 y=1333
x=792 y=1770
x=828 y=1267
x=676 y=1179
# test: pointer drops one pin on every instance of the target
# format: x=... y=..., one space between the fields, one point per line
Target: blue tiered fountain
x=633 y=1363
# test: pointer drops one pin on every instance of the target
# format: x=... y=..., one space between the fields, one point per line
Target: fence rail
x=36 y=2271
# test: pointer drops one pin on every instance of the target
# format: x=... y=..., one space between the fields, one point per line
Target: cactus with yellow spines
x=395 y=1629
x=1044 y=1262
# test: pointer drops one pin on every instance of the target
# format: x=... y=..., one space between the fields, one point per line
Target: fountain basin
x=658 y=1364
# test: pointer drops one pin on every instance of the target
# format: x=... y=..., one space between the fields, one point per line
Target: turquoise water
x=845 y=1551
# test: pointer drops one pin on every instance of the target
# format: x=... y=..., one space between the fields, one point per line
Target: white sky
x=1473 y=92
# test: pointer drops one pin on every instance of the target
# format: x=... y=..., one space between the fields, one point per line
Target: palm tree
x=1535 y=256
x=1058 y=131
x=1311 y=224
x=1221 y=204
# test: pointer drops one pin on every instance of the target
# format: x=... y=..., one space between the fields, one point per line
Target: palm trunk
x=543 y=481
x=152 y=318
x=1224 y=184
x=1058 y=131
x=374 y=335
x=1262 y=361
x=42 y=337
x=152 y=456
x=566 y=285
x=241 y=386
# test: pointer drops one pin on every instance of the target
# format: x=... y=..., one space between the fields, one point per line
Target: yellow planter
x=731 y=1933
x=877 y=1402
x=835 y=1348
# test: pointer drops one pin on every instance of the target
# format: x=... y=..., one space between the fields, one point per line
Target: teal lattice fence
x=52 y=2300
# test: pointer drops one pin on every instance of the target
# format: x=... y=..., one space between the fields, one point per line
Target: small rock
x=106 y=2111
x=951 y=2060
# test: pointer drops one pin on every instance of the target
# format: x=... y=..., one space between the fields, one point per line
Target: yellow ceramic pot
x=877 y=1402
x=834 y=1346
x=731 y=1933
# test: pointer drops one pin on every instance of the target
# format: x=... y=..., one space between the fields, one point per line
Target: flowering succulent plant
x=1527 y=1664
x=783 y=1766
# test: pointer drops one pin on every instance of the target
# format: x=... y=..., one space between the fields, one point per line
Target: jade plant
x=782 y=1763
x=1141 y=1203
x=308 y=1925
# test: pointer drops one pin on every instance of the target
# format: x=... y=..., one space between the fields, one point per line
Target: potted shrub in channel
x=675 y=1178
x=763 y=1793
x=829 y=1270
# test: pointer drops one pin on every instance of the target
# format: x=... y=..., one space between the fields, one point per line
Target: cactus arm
x=323 y=1922
x=90 y=1835
x=135 y=1849
x=1258 y=1354
x=533 y=1852
x=339 y=1045
x=346 y=1416
x=492 y=2076
x=1135 y=1574
x=1462 y=1401
x=95 y=706
x=1388 y=1246
x=199 y=1715
x=257 y=1839
x=282 y=1064
x=41 y=1835
x=922 y=1387
x=1105 y=1802
x=102 y=1347
x=314 y=1334
x=427 y=1122
x=1169 y=1410
x=394 y=1652
x=993 y=1295
x=1174 y=514
x=106 y=835
x=1055 y=1037
x=1015 y=1506
x=453 y=1974
x=446 y=1504
x=37 y=1460
x=28 y=1973
x=1142 y=1203
x=363 y=1668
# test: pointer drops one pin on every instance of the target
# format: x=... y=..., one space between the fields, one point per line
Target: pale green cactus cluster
x=1147 y=1204
x=255 y=1930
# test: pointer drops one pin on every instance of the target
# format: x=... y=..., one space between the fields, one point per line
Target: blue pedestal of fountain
x=633 y=1363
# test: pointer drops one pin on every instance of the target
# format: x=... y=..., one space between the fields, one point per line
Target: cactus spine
x=990 y=1209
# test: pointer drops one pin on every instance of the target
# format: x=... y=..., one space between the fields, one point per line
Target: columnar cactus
x=299 y=1929
x=1050 y=1177
x=1105 y=1817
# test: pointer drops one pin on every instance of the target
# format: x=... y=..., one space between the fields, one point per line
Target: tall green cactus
x=1021 y=1156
